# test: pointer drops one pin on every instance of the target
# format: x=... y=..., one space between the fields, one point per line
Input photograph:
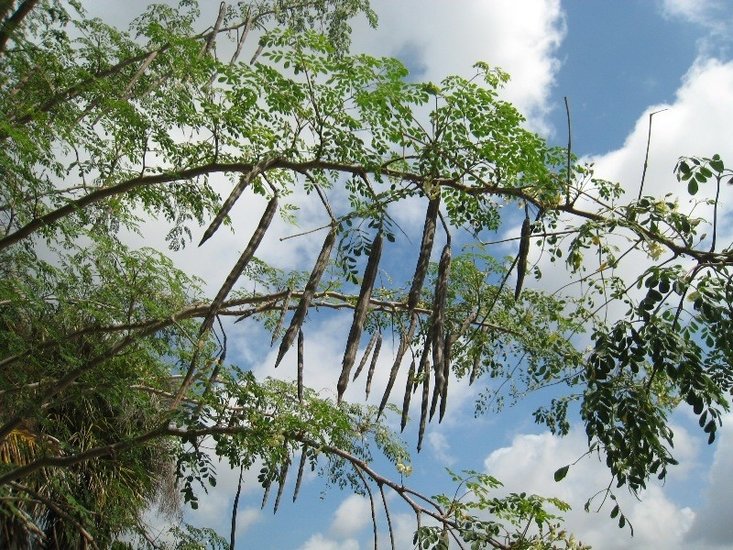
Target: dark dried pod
x=522 y=256
x=301 y=467
x=305 y=300
x=424 y=405
x=408 y=395
x=373 y=365
x=360 y=313
x=390 y=384
x=267 y=486
x=281 y=484
x=242 y=184
x=437 y=332
x=281 y=318
x=446 y=375
x=300 y=365
x=365 y=357
x=426 y=248
x=242 y=262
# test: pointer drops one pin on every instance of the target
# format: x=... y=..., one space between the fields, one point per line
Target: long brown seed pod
x=266 y=494
x=300 y=366
x=281 y=484
x=423 y=260
x=242 y=184
x=301 y=467
x=390 y=384
x=360 y=313
x=373 y=365
x=426 y=248
x=522 y=256
x=308 y=293
x=437 y=332
x=424 y=405
x=408 y=394
x=281 y=318
x=242 y=262
x=446 y=375
x=365 y=358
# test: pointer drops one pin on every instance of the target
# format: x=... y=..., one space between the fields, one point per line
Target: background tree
x=114 y=362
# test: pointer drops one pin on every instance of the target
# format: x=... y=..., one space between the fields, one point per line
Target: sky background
x=616 y=62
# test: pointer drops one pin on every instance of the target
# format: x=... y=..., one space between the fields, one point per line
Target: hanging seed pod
x=446 y=375
x=281 y=318
x=365 y=358
x=426 y=248
x=522 y=256
x=242 y=184
x=281 y=484
x=424 y=405
x=301 y=467
x=408 y=394
x=308 y=293
x=373 y=365
x=360 y=313
x=300 y=366
x=266 y=494
x=437 y=332
x=242 y=262
x=390 y=384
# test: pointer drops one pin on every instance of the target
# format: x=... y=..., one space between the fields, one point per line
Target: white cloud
x=320 y=542
x=352 y=515
x=712 y=523
x=714 y=15
x=445 y=38
x=529 y=463
x=441 y=448
x=246 y=518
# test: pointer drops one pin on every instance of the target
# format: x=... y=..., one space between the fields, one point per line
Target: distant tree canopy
x=113 y=361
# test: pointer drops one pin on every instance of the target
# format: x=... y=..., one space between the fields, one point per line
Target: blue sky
x=616 y=62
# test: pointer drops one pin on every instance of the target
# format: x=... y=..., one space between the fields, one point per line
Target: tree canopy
x=114 y=368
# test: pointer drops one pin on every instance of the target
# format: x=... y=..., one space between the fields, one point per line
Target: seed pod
x=360 y=313
x=446 y=375
x=242 y=262
x=424 y=405
x=437 y=333
x=390 y=384
x=300 y=366
x=522 y=256
x=365 y=358
x=301 y=467
x=426 y=248
x=281 y=484
x=308 y=293
x=281 y=318
x=266 y=494
x=373 y=365
x=242 y=184
x=408 y=395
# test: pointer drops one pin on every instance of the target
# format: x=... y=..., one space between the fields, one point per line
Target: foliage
x=114 y=362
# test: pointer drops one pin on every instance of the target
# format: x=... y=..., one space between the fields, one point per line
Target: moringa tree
x=114 y=361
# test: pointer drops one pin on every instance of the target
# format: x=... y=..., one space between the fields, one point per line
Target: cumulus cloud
x=352 y=515
x=444 y=39
x=440 y=447
x=529 y=463
x=714 y=15
x=320 y=542
x=712 y=525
